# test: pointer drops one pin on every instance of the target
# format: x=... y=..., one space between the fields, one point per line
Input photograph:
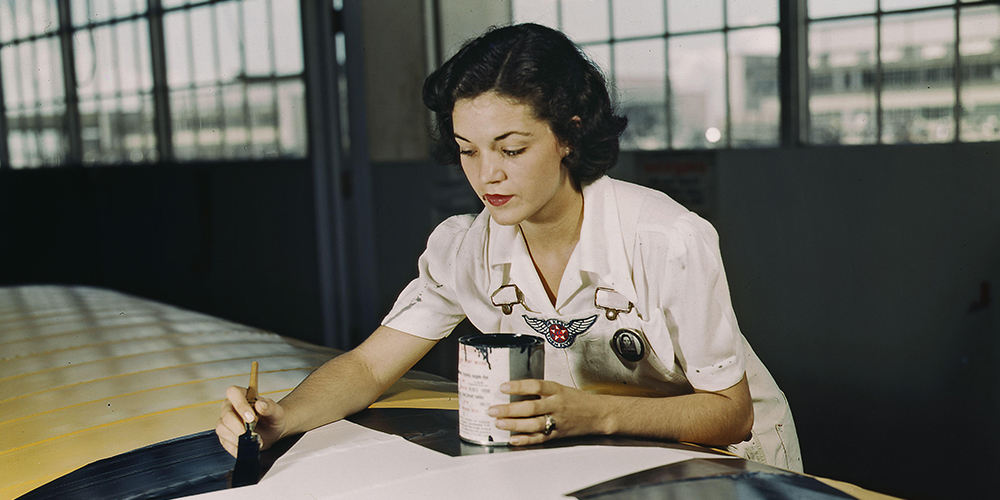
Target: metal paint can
x=485 y=361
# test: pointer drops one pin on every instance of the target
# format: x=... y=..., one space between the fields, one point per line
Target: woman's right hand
x=236 y=411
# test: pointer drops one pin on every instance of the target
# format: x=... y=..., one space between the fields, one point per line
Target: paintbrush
x=247 y=468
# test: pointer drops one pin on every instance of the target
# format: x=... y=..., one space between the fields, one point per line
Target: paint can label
x=485 y=361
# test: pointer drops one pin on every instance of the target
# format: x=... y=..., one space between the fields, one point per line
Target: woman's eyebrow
x=508 y=134
x=501 y=136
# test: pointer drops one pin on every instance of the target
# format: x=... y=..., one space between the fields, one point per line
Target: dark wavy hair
x=539 y=67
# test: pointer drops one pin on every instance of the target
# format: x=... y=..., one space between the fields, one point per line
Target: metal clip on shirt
x=506 y=297
x=612 y=302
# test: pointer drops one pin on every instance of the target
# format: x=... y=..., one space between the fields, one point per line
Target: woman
x=626 y=286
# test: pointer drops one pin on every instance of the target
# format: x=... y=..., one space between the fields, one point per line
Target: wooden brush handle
x=252 y=389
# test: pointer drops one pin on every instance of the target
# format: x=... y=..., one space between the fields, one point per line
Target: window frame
x=153 y=13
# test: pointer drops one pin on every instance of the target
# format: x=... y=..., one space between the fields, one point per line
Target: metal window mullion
x=878 y=74
x=727 y=126
x=195 y=113
x=220 y=108
x=55 y=50
x=4 y=127
x=163 y=124
x=20 y=88
x=793 y=73
x=274 y=78
x=118 y=129
x=247 y=115
x=137 y=42
x=19 y=63
x=667 y=98
x=612 y=72
x=35 y=116
x=957 y=76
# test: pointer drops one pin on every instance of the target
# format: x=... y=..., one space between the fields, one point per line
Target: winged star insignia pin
x=560 y=334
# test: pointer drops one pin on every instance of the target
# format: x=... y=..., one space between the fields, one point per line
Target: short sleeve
x=695 y=298
x=428 y=306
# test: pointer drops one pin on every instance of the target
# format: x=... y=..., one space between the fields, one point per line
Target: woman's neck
x=551 y=241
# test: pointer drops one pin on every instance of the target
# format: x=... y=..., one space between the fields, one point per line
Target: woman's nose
x=490 y=169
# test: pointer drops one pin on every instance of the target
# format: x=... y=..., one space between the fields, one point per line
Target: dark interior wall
x=862 y=278
x=233 y=240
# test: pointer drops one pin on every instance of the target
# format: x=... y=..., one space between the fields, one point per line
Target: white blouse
x=640 y=253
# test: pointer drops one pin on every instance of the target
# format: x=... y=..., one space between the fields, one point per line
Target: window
x=90 y=85
x=885 y=73
x=35 y=101
x=696 y=75
x=689 y=75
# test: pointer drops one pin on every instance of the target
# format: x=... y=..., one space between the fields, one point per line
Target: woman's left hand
x=572 y=411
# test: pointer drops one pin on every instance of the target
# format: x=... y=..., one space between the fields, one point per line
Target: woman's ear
x=576 y=123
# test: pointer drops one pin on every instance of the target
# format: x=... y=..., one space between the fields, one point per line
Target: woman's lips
x=497 y=199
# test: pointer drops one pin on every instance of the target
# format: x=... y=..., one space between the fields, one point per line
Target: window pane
x=640 y=68
x=751 y=12
x=178 y=51
x=754 y=104
x=111 y=126
x=34 y=102
x=138 y=137
x=24 y=19
x=90 y=131
x=918 y=85
x=48 y=73
x=685 y=15
x=263 y=120
x=542 y=12
x=586 y=20
x=291 y=118
x=842 y=67
x=980 y=53
x=237 y=121
x=203 y=42
x=256 y=37
x=826 y=8
x=11 y=91
x=910 y=4
x=637 y=18
x=287 y=36
x=6 y=22
x=698 y=104
x=230 y=60
x=30 y=18
x=133 y=56
x=36 y=139
x=184 y=117
x=92 y=11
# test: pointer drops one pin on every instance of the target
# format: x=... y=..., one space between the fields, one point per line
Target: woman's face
x=512 y=159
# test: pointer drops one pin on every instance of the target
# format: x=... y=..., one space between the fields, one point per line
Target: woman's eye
x=513 y=152
x=467 y=152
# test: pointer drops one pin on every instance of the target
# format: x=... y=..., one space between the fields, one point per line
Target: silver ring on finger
x=550 y=425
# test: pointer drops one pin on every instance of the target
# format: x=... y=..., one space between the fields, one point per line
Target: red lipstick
x=497 y=199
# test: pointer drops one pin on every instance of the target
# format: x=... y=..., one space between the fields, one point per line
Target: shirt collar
x=601 y=251
x=602 y=248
